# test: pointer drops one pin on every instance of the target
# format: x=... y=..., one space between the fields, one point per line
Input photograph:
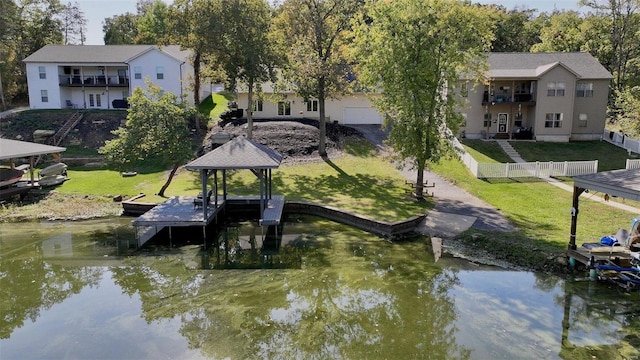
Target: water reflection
x=325 y=291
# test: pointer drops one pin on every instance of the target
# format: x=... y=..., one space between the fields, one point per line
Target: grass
x=214 y=105
x=538 y=209
x=360 y=181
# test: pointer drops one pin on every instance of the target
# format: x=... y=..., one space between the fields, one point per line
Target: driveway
x=456 y=210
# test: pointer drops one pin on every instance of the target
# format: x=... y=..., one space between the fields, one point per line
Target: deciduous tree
x=313 y=34
x=74 y=24
x=156 y=127
x=414 y=53
x=120 y=29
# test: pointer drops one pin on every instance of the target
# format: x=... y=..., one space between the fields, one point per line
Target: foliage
x=412 y=51
x=157 y=126
x=313 y=35
x=515 y=30
x=153 y=24
x=628 y=116
x=563 y=32
x=120 y=29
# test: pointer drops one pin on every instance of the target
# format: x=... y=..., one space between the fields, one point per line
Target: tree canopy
x=157 y=127
x=413 y=52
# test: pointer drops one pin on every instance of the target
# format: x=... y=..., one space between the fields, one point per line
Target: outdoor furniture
x=198 y=201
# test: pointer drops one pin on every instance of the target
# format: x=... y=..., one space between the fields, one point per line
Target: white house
x=349 y=109
x=102 y=76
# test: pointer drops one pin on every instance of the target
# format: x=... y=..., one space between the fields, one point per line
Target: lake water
x=79 y=290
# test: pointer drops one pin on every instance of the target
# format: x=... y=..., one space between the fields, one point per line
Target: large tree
x=156 y=127
x=74 y=24
x=314 y=36
x=515 y=30
x=120 y=29
x=414 y=53
x=563 y=32
x=249 y=57
x=153 y=24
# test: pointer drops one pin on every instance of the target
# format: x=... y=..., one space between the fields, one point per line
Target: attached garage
x=361 y=115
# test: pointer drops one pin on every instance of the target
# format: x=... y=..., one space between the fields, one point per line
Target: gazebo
x=238 y=154
x=623 y=183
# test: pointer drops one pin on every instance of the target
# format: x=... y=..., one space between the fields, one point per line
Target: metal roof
x=623 y=183
x=99 y=54
x=238 y=153
x=12 y=149
x=533 y=65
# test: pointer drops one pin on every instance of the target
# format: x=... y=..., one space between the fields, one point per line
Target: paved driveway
x=456 y=210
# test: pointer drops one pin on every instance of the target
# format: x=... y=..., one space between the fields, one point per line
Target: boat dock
x=180 y=211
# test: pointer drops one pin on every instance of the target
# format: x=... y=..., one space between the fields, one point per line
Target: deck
x=600 y=255
x=178 y=211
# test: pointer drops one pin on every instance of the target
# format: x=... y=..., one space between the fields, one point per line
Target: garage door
x=361 y=115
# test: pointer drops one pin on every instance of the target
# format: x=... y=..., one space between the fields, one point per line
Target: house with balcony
x=543 y=96
x=103 y=76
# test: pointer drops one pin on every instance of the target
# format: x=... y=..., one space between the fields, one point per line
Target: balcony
x=524 y=99
x=94 y=81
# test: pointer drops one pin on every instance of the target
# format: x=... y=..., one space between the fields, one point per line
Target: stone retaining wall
x=393 y=230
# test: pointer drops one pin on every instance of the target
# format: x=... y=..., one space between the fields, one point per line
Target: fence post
x=626 y=165
x=595 y=166
x=564 y=171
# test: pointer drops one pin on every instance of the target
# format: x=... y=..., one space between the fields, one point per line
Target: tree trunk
x=4 y=105
x=323 y=121
x=250 y=109
x=420 y=180
x=166 y=185
x=196 y=84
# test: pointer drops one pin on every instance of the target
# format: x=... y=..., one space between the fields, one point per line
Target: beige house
x=542 y=96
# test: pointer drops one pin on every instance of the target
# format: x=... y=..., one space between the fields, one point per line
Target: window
x=284 y=108
x=159 y=72
x=43 y=72
x=312 y=105
x=257 y=105
x=487 y=120
x=464 y=91
x=98 y=102
x=92 y=102
x=553 y=120
x=125 y=94
x=582 y=120
x=137 y=72
x=555 y=88
x=44 y=96
x=584 y=89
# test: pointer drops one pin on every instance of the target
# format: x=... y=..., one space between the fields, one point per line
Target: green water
x=80 y=290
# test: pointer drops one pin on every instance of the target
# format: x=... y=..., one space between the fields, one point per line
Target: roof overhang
x=238 y=154
x=623 y=183
x=12 y=149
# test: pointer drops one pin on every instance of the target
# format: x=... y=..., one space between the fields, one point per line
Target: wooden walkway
x=180 y=211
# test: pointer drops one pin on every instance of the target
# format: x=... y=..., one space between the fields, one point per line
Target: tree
x=153 y=24
x=413 y=52
x=515 y=30
x=619 y=32
x=74 y=24
x=628 y=105
x=250 y=58
x=120 y=29
x=156 y=127
x=562 y=33
x=314 y=35
x=8 y=48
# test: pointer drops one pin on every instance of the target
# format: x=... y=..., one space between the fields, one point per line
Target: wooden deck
x=178 y=211
x=600 y=255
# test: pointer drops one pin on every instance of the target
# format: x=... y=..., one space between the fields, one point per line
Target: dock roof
x=238 y=153
x=623 y=183
x=12 y=149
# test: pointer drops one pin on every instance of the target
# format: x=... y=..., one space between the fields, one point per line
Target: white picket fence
x=633 y=164
x=530 y=169
x=621 y=140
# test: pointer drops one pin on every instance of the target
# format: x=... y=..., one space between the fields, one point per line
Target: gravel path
x=456 y=210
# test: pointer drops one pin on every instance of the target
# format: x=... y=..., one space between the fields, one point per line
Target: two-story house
x=103 y=76
x=542 y=96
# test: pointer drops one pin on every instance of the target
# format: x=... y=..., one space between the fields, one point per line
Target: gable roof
x=13 y=149
x=238 y=153
x=534 y=65
x=100 y=54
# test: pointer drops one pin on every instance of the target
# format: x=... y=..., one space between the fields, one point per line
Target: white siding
x=173 y=70
x=36 y=85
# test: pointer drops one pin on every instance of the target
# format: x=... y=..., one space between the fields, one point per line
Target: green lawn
x=214 y=105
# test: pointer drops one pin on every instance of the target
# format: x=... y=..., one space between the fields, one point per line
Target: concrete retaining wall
x=393 y=230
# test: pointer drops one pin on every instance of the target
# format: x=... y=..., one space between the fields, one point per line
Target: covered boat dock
x=239 y=153
x=14 y=149
x=616 y=183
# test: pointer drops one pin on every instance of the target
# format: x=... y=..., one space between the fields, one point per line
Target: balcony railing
x=508 y=99
x=94 y=80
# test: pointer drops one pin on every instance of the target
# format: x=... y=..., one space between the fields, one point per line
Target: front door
x=503 y=123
